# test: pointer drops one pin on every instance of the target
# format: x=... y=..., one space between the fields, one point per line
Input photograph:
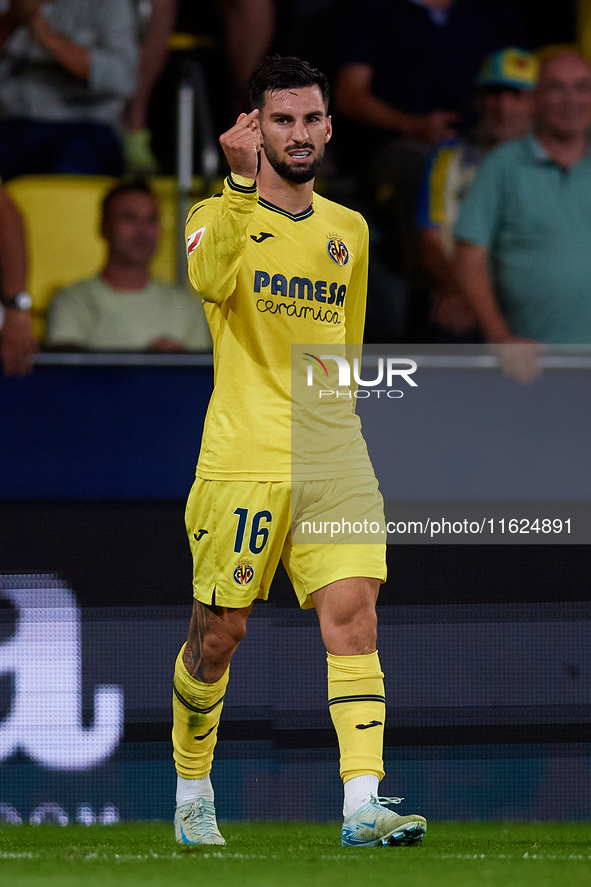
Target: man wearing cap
x=505 y=85
x=523 y=255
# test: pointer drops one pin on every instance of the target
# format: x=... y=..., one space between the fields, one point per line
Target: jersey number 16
x=258 y=535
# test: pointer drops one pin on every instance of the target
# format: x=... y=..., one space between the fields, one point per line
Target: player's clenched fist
x=242 y=144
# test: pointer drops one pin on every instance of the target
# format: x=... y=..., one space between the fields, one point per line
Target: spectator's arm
x=450 y=308
x=472 y=273
x=153 y=57
x=7 y=28
x=113 y=59
x=355 y=98
x=13 y=248
x=434 y=260
x=109 y=66
x=249 y=26
x=19 y=14
x=518 y=357
x=476 y=233
x=70 y=55
x=17 y=341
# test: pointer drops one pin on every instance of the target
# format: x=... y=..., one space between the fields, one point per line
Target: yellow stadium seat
x=62 y=221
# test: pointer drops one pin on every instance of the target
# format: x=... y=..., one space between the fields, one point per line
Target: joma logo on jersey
x=300 y=288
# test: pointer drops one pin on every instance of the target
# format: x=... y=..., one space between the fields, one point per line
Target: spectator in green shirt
x=523 y=254
x=124 y=308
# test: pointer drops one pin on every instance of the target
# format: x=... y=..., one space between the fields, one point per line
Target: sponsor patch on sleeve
x=194 y=240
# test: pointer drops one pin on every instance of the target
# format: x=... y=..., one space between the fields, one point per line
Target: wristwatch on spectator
x=22 y=301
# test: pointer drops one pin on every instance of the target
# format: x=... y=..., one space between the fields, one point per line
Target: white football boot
x=195 y=823
x=375 y=824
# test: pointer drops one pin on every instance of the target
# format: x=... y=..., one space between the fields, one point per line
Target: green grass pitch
x=290 y=854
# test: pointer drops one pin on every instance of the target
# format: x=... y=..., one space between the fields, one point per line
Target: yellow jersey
x=270 y=279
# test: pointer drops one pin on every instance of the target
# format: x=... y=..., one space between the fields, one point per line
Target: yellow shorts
x=239 y=530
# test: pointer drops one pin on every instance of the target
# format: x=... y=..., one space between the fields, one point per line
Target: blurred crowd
x=461 y=133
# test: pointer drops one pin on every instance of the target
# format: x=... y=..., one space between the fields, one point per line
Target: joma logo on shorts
x=300 y=288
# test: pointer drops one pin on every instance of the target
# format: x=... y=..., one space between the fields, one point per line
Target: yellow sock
x=196 y=710
x=358 y=710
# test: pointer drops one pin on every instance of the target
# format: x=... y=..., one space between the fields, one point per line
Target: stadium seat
x=62 y=218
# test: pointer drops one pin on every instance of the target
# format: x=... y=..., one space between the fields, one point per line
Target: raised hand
x=241 y=145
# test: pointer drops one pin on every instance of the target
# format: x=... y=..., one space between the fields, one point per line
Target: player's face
x=132 y=228
x=295 y=129
x=563 y=95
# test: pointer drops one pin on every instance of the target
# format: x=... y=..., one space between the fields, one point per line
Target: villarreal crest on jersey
x=269 y=279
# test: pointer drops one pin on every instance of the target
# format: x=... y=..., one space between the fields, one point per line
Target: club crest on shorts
x=337 y=251
x=244 y=573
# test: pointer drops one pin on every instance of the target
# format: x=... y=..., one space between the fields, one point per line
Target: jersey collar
x=296 y=217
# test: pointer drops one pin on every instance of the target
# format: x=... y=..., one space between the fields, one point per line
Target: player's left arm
x=216 y=238
x=216 y=228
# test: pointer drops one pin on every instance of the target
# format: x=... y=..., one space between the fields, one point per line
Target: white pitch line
x=128 y=857
x=6 y=855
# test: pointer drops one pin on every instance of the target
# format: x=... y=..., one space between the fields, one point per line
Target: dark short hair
x=124 y=186
x=284 y=72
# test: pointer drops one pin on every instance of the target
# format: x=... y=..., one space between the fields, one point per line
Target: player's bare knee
x=207 y=657
x=236 y=628
x=367 y=620
x=218 y=649
x=350 y=630
x=359 y=615
x=362 y=631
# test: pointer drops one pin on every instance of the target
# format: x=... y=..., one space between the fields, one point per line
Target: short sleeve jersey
x=270 y=279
